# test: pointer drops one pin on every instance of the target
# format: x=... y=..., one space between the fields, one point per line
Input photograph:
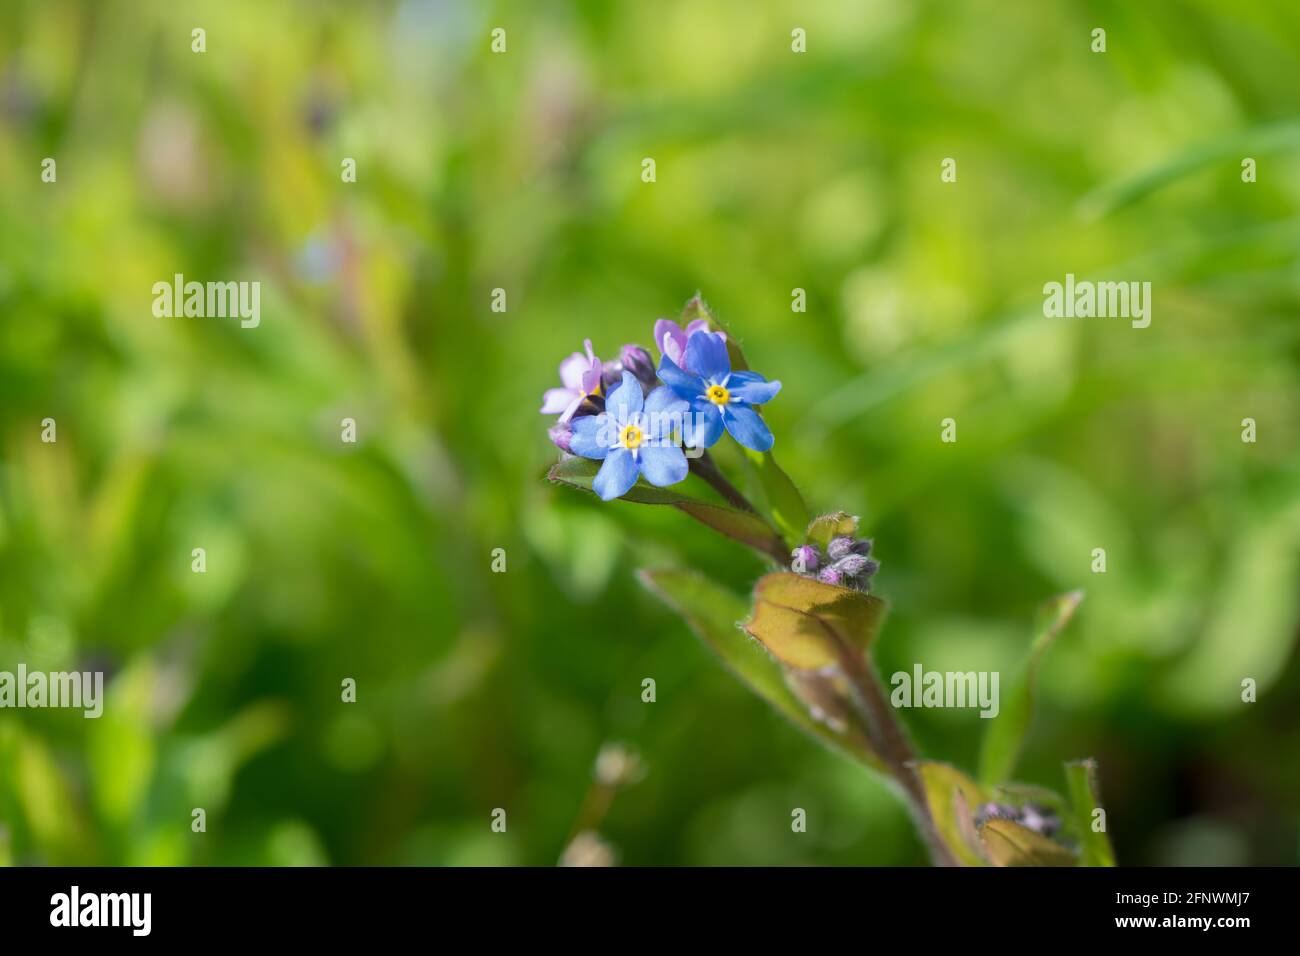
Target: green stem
x=895 y=748
x=888 y=736
x=705 y=467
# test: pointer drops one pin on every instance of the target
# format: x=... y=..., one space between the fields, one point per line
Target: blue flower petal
x=664 y=400
x=663 y=464
x=664 y=414
x=752 y=388
x=747 y=427
x=617 y=475
x=626 y=399
x=706 y=355
x=592 y=436
x=683 y=383
x=703 y=424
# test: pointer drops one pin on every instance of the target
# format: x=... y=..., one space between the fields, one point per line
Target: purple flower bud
x=851 y=565
x=806 y=559
x=839 y=548
x=1039 y=819
x=637 y=360
x=830 y=576
x=560 y=433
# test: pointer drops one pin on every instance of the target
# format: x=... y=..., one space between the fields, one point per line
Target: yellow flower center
x=631 y=436
x=718 y=395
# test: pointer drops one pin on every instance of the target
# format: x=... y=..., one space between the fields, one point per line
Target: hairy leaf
x=825 y=527
x=808 y=624
x=697 y=308
x=782 y=499
x=1010 y=844
x=714 y=614
x=1081 y=783
x=952 y=798
x=1005 y=736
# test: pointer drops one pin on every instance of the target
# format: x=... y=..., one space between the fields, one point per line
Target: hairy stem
x=888 y=735
x=895 y=748
x=707 y=468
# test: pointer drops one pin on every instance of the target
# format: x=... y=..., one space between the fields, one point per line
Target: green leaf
x=714 y=613
x=1022 y=793
x=1273 y=137
x=835 y=525
x=782 y=499
x=739 y=525
x=36 y=795
x=807 y=624
x=742 y=526
x=827 y=696
x=1005 y=736
x=1081 y=781
x=792 y=637
x=697 y=308
x=120 y=746
x=951 y=797
x=580 y=472
x=1010 y=844
x=854 y=616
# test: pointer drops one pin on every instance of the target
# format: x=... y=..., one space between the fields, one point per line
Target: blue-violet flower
x=634 y=359
x=719 y=397
x=635 y=435
x=580 y=375
x=671 y=338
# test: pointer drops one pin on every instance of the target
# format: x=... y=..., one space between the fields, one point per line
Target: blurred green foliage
x=522 y=171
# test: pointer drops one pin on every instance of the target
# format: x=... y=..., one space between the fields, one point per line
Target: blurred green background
x=522 y=171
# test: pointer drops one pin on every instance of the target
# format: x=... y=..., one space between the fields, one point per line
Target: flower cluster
x=649 y=422
x=618 y=412
x=845 y=562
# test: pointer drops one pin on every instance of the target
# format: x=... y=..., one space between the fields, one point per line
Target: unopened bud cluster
x=846 y=562
x=1031 y=816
